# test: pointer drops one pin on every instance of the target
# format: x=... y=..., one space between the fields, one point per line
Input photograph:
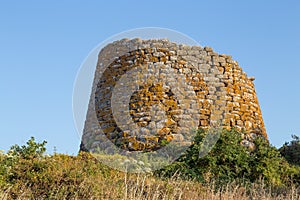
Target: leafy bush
x=230 y=161
x=268 y=164
x=29 y=151
x=291 y=151
x=227 y=160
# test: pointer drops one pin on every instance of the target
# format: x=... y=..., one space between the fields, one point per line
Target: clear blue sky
x=43 y=43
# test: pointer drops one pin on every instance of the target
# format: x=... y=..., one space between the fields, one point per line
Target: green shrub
x=268 y=164
x=29 y=151
x=291 y=151
x=230 y=161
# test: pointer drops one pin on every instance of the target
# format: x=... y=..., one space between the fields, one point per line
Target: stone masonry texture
x=223 y=91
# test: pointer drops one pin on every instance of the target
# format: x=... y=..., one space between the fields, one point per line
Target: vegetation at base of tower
x=230 y=161
x=229 y=169
x=291 y=151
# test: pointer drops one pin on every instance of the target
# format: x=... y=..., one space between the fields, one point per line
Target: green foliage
x=32 y=149
x=17 y=157
x=291 y=151
x=268 y=164
x=229 y=160
x=164 y=142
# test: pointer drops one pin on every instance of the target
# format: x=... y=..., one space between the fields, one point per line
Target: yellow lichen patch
x=164 y=131
x=169 y=138
x=171 y=103
x=170 y=122
x=182 y=62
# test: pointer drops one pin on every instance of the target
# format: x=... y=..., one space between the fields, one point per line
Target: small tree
x=291 y=151
x=32 y=149
x=268 y=164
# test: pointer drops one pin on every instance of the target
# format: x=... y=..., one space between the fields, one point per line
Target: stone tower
x=216 y=83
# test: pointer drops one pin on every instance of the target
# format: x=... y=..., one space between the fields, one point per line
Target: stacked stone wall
x=224 y=94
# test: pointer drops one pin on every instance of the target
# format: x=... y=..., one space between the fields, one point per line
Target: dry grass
x=80 y=177
x=140 y=186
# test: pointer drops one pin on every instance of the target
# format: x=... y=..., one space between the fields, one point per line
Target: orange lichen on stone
x=228 y=95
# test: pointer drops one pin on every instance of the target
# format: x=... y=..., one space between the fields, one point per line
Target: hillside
x=230 y=171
